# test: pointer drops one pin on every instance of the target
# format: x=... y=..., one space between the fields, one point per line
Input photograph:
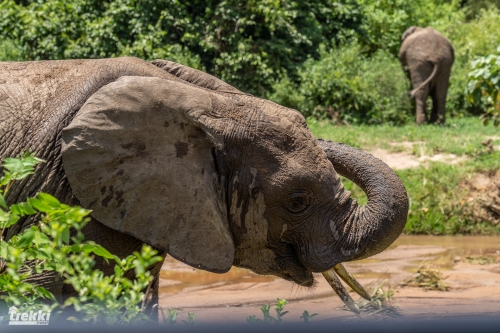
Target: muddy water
x=457 y=248
x=177 y=277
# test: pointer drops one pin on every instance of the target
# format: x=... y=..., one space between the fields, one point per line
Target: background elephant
x=170 y=156
x=427 y=57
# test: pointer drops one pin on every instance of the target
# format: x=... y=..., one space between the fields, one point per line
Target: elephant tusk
x=337 y=286
x=351 y=281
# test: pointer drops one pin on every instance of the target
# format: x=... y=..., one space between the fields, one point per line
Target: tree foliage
x=264 y=47
x=484 y=86
x=246 y=43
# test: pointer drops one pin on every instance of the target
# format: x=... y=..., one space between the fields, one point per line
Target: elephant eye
x=298 y=202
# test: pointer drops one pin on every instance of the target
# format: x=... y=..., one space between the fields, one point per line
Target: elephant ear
x=140 y=154
x=408 y=32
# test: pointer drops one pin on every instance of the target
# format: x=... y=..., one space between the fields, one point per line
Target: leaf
x=49 y=200
x=102 y=252
x=39 y=205
x=4 y=216
x=45 y=293
x=12 y=164
x=94 y=248
x=3 y=204
x=65 y=235
x=41 y=238
x=74 y=319
x=26 y=238
x=22 y=209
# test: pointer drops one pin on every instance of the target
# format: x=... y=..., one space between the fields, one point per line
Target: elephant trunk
x=369 y=229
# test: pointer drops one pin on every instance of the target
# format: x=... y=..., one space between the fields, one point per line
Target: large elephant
x=170 y=156
x=427 y=57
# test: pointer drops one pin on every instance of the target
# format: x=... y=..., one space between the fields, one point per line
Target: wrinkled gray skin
x=427 y=57
x=170 y=156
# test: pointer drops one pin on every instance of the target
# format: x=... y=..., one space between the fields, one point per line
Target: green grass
x=459 y=136
x=437 y=204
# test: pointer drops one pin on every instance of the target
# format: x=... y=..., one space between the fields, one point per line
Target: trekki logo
x=28 y=318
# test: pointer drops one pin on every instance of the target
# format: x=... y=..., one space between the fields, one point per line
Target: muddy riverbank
x=471 y=265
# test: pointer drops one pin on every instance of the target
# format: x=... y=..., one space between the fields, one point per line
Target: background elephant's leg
x=439 y=97
x=419 y=73
x=435 y=102
x=420 y=105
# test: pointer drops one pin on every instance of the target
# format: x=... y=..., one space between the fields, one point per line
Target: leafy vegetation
x=484 y=86
x=349 y=87
x=171 y=317
x=328 y=59
x=280 y=313
x=247 y=43
x=56 y=246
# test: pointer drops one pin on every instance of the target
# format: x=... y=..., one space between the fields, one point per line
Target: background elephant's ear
x=408 y=32
x=196 y=77
x=138 y=155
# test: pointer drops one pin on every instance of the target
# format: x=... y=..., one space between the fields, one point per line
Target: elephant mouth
x=291 y=269
x=303 y=276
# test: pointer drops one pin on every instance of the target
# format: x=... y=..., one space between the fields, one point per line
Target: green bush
x=473 y=7
x=384 y=21
x=10 y=51
x=347 y=84
x=267 y=48
x=50 y=246
x=476 y=38
x=246 y=43
x=484 y=86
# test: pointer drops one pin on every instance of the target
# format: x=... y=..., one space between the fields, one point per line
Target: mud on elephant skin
x=170 y=156
x=427 y=57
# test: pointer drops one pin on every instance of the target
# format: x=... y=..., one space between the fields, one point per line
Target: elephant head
x=218 y=178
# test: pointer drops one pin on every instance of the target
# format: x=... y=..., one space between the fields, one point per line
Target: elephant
x=173 y=157
x=427 y=58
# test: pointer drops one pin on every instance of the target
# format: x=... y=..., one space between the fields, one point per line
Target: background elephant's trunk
x=368 y=229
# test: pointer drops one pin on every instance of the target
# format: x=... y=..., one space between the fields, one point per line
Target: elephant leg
x=439 y=98
x=419 y=72
x=435 y=103
x=151 y=303
x=420 y=105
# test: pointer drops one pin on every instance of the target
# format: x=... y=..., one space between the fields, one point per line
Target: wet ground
x=470 y=263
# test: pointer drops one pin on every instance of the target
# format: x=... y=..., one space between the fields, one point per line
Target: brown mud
x=471 y=265
x=483 y=196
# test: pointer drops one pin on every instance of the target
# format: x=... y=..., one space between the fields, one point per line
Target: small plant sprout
x=171 y=317
x=190 y=321
x=280 y=313
x=307 y=317
x=280 y=306
x=265 y=311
